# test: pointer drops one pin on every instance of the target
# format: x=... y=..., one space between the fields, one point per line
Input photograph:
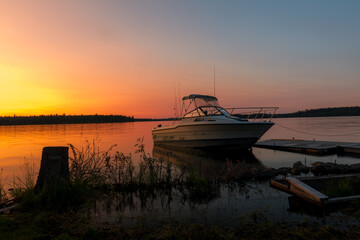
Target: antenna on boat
x=179 y=102
x=214 y=80
x=175 y=102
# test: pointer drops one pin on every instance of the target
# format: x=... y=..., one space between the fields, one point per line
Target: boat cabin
x=202 y=106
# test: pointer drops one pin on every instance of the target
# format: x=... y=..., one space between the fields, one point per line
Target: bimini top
x=197 y=100
x=203 y=97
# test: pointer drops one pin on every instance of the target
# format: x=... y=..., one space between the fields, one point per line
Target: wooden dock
x=311 y=147
x=310 y=188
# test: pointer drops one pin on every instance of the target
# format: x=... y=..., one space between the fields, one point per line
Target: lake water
x=20 y=144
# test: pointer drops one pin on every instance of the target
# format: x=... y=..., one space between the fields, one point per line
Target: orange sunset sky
x=130 y=57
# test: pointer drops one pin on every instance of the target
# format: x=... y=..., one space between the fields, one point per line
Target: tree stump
x=54 y=167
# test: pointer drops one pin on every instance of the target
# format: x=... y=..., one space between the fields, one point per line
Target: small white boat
x=206 y=124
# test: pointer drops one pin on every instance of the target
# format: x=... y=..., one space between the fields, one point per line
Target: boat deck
x=311 y=147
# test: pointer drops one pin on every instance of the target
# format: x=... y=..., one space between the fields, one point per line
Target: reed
x=24 y=184
x=153 y=171
x=95 y=172
x=91 y=166
x=87 y=163
x=344 y=187
x=3 y=194
x=119 y=169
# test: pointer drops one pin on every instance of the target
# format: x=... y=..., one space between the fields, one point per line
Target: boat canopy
x=198 y=100
x=204 y=97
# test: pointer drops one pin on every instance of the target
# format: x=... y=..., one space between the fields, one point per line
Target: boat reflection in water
x=217 y=156
x=222 y=164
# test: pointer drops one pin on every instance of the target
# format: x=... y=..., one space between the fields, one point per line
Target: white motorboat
x=206 y=124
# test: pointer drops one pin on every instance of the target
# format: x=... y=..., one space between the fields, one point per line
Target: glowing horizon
x=129 y=58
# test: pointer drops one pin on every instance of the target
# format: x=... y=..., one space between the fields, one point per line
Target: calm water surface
x=20 y=144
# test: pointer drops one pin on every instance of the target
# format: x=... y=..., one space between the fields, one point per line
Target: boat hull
x=239 y=135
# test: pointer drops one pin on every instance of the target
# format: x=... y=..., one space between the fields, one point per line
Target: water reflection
x=191 y=155
x=213 y=196
x=21 y=144
x=210 y=185
x=226 y=204
x=209 y=164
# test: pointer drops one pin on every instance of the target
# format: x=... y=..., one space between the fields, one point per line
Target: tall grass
x=87 y=163
x=146 y=178
x=343 y=187
x=26 y=183
x=119 y=169
x=59 y=197
x=3 y=194
x=153 y=171
x=91 y=166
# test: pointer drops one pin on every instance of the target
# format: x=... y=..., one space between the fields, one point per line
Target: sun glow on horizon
x=20 y=96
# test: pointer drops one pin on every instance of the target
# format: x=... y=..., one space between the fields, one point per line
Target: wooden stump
x=54 y=167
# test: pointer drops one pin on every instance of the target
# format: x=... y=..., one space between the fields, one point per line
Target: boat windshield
x=206 y=102
x=214 y=111
x=207 y=111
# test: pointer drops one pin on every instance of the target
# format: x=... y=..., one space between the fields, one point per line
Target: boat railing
x=253 y=113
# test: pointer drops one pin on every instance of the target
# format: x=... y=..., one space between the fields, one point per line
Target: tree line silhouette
x=320 y=112
x=68 y=119
x=323 y=112
x=63 y=119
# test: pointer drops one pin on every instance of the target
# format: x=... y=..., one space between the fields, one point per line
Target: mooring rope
x=314 y=134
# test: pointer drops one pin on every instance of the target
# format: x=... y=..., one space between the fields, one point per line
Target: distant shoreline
x=323 y=112
x=63 y=119
x=83 y=119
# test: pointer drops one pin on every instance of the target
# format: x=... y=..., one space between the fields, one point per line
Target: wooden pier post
x=54 y=167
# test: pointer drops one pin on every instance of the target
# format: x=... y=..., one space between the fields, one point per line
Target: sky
x=136 y=57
